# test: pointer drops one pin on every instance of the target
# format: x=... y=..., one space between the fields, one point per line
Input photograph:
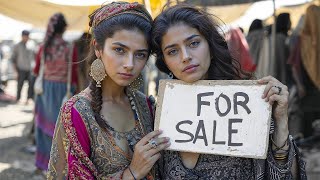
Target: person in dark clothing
x=22 y=57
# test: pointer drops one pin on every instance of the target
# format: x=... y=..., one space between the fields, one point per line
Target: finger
x=158 y=141
x=267 y=89
x=273 y=90
x=146 y=138
x=276 y=98
x=159 y=148
x=266 y=79
x=154 y=159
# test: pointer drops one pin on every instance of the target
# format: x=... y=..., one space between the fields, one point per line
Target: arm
x=37 y=61
x=70 y=148
x=283 y=157
x=14 y=57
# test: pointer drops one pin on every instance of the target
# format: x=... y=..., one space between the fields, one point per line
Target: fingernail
x=160 y=130
x=167 y=138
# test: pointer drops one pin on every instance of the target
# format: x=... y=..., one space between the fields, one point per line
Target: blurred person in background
x=239 y=49
x=57 y=53
x=310 y=81
x=22 y=58
x=255 y=39
x=281 y=69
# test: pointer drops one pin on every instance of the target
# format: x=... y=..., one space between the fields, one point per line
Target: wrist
x=133 y=173
x=280 y=139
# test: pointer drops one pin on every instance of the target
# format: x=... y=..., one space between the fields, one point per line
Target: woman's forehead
x=178 y=33
x=131 y=38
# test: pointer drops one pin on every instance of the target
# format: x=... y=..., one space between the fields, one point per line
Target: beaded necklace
x=132 y=136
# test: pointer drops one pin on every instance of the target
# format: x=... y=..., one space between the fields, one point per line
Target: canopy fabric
x=294 y=11
x=228 y=13
x=220 y=2
x=37 y=12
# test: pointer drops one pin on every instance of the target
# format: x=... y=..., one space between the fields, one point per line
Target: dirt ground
x=18 y=164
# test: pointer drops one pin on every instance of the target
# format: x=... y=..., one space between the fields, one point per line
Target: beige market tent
x=37 y=12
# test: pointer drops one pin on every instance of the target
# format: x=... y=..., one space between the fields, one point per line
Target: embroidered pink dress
x=81 y=149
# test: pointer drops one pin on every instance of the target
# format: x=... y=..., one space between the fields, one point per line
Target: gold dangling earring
x=136 y=84
x=97 y=71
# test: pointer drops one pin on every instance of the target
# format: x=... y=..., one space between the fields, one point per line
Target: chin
x=123 y=83
x=190 y=79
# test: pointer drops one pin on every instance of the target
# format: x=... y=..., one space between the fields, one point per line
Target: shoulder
x=77 y=101
x=141 y=96
x=17 y=45
x=76 y=108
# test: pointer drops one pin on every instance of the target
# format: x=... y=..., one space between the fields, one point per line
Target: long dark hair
x=106 y=29
x=255 y=25
x=57 y=25
x=222 y=66
x=283 y=23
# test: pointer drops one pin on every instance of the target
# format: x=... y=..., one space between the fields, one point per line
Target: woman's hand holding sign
x=277 y=95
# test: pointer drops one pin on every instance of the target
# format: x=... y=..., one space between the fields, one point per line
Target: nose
x=185 y=55
x=128 y=63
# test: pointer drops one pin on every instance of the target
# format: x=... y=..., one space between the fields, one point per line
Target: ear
x=97 y=50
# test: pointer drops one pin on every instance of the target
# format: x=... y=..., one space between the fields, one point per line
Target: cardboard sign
x=214 y=117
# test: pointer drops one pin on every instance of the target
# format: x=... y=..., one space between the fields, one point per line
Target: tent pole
x=273 y=35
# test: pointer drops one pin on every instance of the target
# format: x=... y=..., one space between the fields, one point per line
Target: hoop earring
x=136 y=84
x=170 y=75
x=97 y=71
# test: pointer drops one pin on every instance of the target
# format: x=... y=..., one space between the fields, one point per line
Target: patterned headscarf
x=117 y=8
x=53 y=21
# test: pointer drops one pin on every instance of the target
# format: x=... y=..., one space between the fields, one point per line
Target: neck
x=112 y=91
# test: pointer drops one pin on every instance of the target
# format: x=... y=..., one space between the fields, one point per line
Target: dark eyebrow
x=126 y=47
x=191 y=37
x=120 y=44
x=187 y=39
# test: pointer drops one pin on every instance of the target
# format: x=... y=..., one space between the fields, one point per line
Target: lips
x=190 y=67
x=126 y=75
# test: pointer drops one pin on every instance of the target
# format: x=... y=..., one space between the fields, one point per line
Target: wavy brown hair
x=222 y=66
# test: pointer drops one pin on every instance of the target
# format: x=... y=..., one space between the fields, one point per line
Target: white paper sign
x=214 y=117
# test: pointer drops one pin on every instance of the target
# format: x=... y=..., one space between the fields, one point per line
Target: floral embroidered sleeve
x=57 y=168
x=69 y=158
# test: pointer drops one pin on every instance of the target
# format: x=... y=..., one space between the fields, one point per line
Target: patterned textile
x=46 y=112
x=216 y=167
x=98 y=157
x=116 y=8
x=56 y=68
